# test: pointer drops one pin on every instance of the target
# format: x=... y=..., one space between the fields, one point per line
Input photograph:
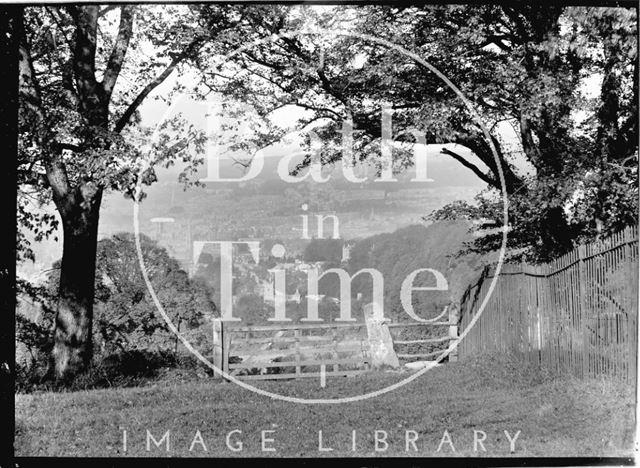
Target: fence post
x=217 y=346
x=583 y=310
x=521 y=342
x=632 y=314
x=297 y=333
x=226 y=344
x=453 y=331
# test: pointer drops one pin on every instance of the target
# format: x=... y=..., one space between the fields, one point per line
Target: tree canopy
x=569 y=159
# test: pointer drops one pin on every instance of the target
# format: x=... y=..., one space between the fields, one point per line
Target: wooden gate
x=291 y=351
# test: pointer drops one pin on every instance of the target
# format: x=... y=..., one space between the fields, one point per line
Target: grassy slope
x=559 y=417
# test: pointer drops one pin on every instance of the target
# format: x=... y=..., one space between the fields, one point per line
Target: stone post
x=380 y=341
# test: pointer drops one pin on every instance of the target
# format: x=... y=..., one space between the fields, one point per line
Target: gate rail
x=258 y=347
x=452 y=323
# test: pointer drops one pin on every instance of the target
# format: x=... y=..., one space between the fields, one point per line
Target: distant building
x=268 y=292
x=295 y=297
x=346 y=252
x=316 y=297
x=303 y=266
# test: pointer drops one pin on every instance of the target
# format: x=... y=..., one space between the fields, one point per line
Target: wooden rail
x=318 y=326
x=259 y=354
x=311 y=362
x=452 y=335
x=419 y=324
x=346 y=373
x=339 y=344
x=426 y=340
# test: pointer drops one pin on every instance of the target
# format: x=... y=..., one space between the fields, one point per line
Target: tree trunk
x=73 y=343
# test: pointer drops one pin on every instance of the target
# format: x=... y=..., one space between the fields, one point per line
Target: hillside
x=395 y=255
x=416 y=247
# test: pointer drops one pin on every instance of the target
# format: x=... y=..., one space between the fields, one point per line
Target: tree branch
x=528 y=143
x=128 y=113
x=498 y=40
x=107 y=9
x=30 y=94
x=84 y=66
x=265 y=63
x=66 y=146
x=116 y=59
x=325 y=83
x=476 y=170
x=481 y=148
x=28 y=88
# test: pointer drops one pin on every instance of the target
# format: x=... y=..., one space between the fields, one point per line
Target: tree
x=333 y=79
x=323 y=250
x=125 y=316
x=521 y=65
x=585 y=180
x=77 y=122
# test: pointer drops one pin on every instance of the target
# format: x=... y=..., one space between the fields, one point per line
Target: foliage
x=34 y=327
x=252 y=309
x=84 y=71
x=126 y=316
x=126 y=319
x=132 y=368
x=585 y=180
x=58 y=126
x=398 y=254
x=323 y=250
x=569 y=165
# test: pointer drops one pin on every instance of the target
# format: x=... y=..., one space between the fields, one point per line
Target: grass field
x=555 y=417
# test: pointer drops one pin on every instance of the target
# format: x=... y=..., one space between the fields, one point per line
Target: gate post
x=221 y=344
x=226 y=345
x=217 y=346
x=453 y=331
x=380 y=341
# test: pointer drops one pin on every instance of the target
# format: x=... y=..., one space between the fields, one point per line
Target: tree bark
x=79 y=203
x=73 y=342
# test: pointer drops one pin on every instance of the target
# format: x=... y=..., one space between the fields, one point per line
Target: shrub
x=120 y=369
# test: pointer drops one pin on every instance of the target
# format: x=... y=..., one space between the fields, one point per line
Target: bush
x=121 y=369
x=131 y=341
